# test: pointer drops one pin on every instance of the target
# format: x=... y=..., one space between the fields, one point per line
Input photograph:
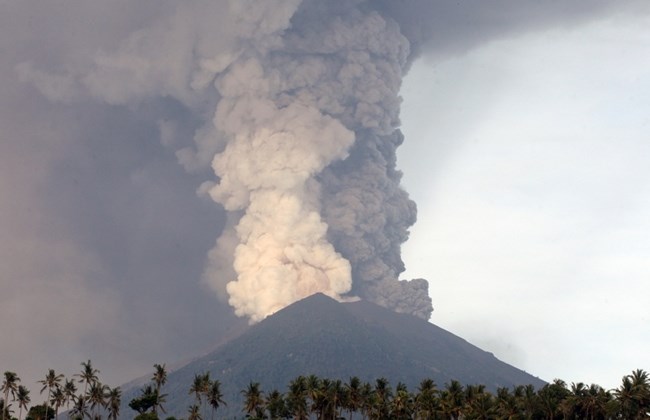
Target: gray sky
x=529 y=160
x=523 y=152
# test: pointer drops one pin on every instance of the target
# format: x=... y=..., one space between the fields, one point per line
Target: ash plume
x=294 y=110
x=299 y=103
x=101 y=100
x=310 y=120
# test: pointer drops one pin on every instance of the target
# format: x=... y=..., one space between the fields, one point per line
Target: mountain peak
x=320 y=336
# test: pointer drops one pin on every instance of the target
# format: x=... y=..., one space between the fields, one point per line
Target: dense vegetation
x=321 y=398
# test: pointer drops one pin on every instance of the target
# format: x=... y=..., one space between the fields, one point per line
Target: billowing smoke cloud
x=103 y=237
x=309 y=165
x=302 y=102
x=293 y=107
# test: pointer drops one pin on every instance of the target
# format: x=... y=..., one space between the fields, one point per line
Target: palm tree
x=312 y=382
x=481 y=405
x=51 y=380
x=88 y=374
x=550 y=397
x=22 y=396
x=159 y=376
x=197 y=388
x=96 y=396
x=329 y=399
x=215 y=396
x=338 y=393
x=70 y=391
x=80 y=408
x=452 y=400
x=254 y=399
x=320 y=403
x=159 y=379
x=641 y=386
x=57 y=399
x=201 y=387
x=472 y=392
x=149 y=399
x=633 y=395
x=596 y=402
x=381 y=395
x=297 y=398
x=426 y=400
x=572 y=405
x=506 y=405
x=114 y=396
x=527 y=400
x=402 y=403
x=367 y=400
x=352 y=395
x=5 y=409
x=276 y=406
x=9 y=386
x=194 y=413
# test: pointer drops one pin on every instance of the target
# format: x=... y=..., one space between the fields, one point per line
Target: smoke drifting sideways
x=294 y=107
x=301 y=107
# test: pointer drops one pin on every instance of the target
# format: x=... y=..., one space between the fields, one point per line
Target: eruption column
x=311 y=199
x=298 y=103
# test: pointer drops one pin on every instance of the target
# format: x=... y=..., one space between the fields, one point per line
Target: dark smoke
x=100 y=101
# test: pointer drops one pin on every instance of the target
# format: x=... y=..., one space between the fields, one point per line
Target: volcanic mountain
x=321 y=336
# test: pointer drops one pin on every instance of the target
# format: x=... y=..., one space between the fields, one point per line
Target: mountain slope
x=330 y=339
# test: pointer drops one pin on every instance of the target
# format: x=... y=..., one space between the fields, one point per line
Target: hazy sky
x=523 y=150
x=530 y=163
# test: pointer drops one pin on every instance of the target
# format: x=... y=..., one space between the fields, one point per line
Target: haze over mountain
x=321 y=336
x=285 y=116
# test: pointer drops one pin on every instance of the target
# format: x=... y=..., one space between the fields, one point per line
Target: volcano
x=321 y=336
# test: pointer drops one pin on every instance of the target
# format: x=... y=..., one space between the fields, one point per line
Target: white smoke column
x=299 y=103
x=267 y=170
x=290 y=112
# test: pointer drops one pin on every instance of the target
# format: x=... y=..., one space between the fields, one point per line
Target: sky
x=528 y=158
x=523 y=152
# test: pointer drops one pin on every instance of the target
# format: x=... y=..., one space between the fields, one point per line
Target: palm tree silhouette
x=276 y=406
x=96 y=396
x=114 y=399
x=506 y=404
x=22 y=396
x=5 y=409
x=51 y=380
x=215 y=396
x=9 y=386
x=57 y=400
x=254 y=400
x=70 y=392
x=634 y=395
x=382 y=395
x=402 y=403
x=80 y=408
x=452 y=400
x=88 y=374
x=297 y=399
x=194 y=413
x=352 y=395
x=200 y=387
x=426 y=400
x=159 y=378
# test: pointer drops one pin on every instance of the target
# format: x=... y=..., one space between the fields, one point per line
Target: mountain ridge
x=323 y=337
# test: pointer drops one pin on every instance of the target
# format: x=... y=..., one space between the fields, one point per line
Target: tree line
x=312 y=397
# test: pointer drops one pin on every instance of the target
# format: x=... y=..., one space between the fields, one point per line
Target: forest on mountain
x=311 y=397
